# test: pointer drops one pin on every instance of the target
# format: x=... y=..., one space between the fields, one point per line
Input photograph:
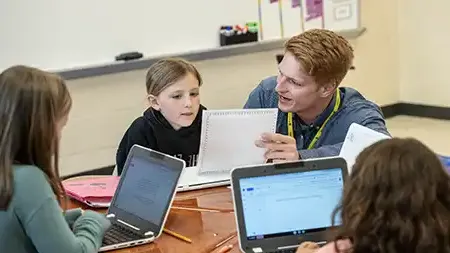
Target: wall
x=376 y=53
x=424 y=52
x=105 y=106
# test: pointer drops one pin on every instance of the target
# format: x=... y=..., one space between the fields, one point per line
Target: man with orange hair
x=314 y=112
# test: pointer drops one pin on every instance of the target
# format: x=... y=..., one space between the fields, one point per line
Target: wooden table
x=205 y=229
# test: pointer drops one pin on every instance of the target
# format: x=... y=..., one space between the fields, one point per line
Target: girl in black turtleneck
x=172 y=123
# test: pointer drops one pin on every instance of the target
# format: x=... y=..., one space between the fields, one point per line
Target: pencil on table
x=203 y=209
x=176 y=235
x=231 y=236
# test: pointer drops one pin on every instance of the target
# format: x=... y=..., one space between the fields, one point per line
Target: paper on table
x=228 y=138
x=357 y=139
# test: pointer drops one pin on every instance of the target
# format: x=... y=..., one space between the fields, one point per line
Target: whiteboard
x=58 y=35
x=66 y=34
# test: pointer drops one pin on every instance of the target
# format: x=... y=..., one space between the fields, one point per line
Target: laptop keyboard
x=117 y=234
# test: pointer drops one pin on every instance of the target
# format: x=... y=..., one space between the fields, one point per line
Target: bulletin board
x=284 y=18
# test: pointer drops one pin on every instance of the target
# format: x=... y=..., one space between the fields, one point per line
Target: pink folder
x=95 y=192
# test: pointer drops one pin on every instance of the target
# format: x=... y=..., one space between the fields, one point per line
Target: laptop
x=279 y=206
x=357 y=139
x=143 y=198
x=191 y=179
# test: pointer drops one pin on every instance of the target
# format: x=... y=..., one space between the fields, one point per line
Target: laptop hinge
x=128 y=225
x=147 y=234
x=110 y=215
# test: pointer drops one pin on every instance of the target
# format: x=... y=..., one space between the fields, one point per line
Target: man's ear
x=153 y=102
x=327 y=90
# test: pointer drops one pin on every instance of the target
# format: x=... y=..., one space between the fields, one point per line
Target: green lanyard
x=319 y=133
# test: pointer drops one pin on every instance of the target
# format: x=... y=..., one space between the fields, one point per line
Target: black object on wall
x=129 y=56
x=226 y=40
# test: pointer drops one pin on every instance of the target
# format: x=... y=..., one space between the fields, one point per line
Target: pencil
x=176 y=235
x=232 y=235
x=203 y=209
x=221 y=243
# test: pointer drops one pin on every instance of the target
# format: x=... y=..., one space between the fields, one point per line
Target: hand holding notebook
x=279 y=147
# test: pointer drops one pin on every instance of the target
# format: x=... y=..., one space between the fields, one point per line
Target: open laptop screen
x=290 y=204
x=146 y=189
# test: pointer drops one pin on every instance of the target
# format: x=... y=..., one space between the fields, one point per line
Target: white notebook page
x=228 y=138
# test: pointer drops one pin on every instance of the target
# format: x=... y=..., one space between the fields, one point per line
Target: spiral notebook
x=228 y=138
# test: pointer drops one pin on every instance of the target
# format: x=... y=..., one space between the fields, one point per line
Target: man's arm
x=263 y=96
x=255 y=99
x=324 y=151
x=375 y=122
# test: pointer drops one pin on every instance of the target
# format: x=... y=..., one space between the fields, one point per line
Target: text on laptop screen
x=146 y=189
x=290 y=204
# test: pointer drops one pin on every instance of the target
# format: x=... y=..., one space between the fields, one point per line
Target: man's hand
x=279 y=148
x=307 y=247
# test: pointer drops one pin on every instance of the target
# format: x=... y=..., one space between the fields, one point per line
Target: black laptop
x=278 y=206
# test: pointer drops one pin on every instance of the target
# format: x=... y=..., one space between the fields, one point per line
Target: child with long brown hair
x=396 y=199
x=34 y=107
x=172 y=123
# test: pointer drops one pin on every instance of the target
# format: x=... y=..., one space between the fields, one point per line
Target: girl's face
x=179 y=103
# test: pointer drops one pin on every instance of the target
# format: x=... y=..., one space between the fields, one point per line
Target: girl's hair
x=31 y=104
x=165 y=72
x=396 y=199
